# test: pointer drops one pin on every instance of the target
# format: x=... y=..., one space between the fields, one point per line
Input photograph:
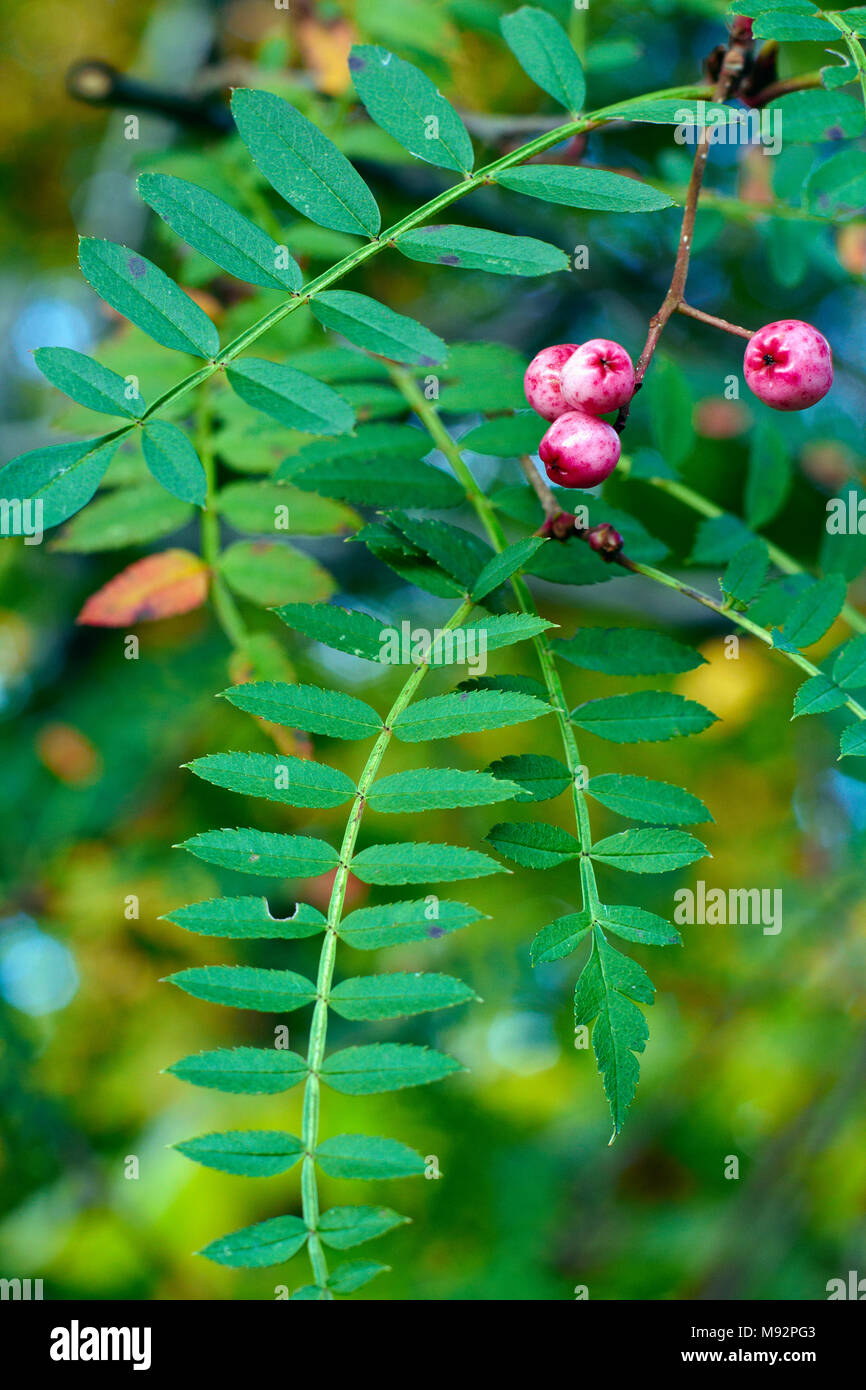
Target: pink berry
x=598 y=377
x=579 y=450
x=541 y=382
x=788 y=365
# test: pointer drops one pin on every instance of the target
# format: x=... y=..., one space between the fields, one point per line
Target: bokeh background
x=758 y=1043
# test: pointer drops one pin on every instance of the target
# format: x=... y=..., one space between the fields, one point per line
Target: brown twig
x=549 y=503
x=713 y=320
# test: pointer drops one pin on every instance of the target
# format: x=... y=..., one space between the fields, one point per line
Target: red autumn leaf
x=159 y=586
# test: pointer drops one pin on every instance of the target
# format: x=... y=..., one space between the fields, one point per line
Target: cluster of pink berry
x=788 y=365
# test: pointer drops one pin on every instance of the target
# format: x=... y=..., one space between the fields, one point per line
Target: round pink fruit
x=542 y=381
x=788 y=365
x=598 y=377
x=579 y=450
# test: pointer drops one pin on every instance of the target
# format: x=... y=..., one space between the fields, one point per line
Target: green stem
x=327 y=959
x=486 y=513
x=227 y=611
x=780 y=558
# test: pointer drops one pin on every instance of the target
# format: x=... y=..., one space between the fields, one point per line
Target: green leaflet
x=390 y=476
x=272 y=508
x=815 y=611
x=494 y=631
x=575 y=187
x=670 y=404
x=365 y=1156
x=718 y=538
x=341 y=628
x=794 y=28
x=379 y=443
x=627 y=651
x=853 y=743
x=225 y=236
x=431 y=789
x=352 y=1275
x=395 y=924
x=746 y=572
x=329 y=712
x=246 y=987
x=770 y=475
x=543 y=49
x=342 y=1228
x=540 y=776
x=634 y=924
x=263 y=852
x=246 y=918
x=533 y=844
x=303 y=165
x=88 y=382
x=402 y=100
x=465 y=712
x=247 y=1153
x=421 y=863
x=643 y=799
x=849 y=667
x=365 y=1071
x=560 y=938
x=507 y=436
x=376 y=328
x=174 y=462
x=501 y=567
x=248 y=1071
x=269 y=572
x=646 y=716
x=294 y=781
x=605 y=992
x=127 y=516
x=458 y=552
x=257 y=1247
x=817 y=695
x=653 y=851
x=837 y=189
x=811 y=117
x=474 y=248
x=298 y=401
x=398 y=995
x=62 y=477
x=145 y=295
x=486 y=377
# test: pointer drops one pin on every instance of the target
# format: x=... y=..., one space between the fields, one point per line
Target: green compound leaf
x=584 y=188
x=440 y=788
x=247 y=1153
x=815 y=611
x=376 y=328
x=293 y=781
x=605 y=993
x=634 y=924
x=243 y=1071
x=125 y=517
x=342 y=1228
x=367 y=1157
x=853 y=742
x=646 y=716
x=627 y=651
x=396 y=924
x=560 y=938
x=145 y=295
x=330 y=712
x=811 y=117
x=643 y=799
x=269 y=572
x=62 y=477
x=540 y=777
x=849 y=667
x=405 y=103
x=247 y=918
x=504 y=565
x=263 y=852
x=746 y=572
x=294 y=399
x=269 y=508
x=354 y=1274
x=817 y=695
x=421 y=863
x=257 y=1247
x=543 y=49
x=533 y=844
x=174 y=462
x=655 y=851
x=225 y=236
x=303 y=165
x=246 y=987
x=474 y=248
x=465 y=712
x=365 y=1071
x=341 y=628
x=399 y=995
x=88 y=382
